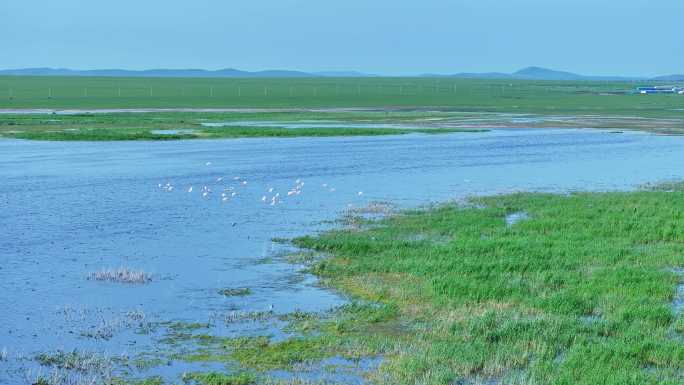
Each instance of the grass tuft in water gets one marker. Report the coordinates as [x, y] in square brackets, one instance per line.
[216, 378]
[235, 292]
[121, 275]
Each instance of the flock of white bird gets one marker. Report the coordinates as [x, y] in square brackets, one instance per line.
[271, 197]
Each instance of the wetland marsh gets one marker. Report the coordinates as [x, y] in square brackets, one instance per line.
[125, 210]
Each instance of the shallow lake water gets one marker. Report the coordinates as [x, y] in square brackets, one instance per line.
[69, 209]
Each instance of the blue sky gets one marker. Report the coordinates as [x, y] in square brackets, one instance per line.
[599, 37]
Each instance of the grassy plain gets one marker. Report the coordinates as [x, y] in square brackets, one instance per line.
[556, 97]
[425, 102]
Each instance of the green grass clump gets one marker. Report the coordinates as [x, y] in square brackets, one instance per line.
[115, 133]
[215, 378]
[579, 293]
[277, 132]
[85, 362]
[186, 326]
[264, 355]
[235, 292]
[95, 135]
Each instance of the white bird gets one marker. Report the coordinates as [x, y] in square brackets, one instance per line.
[263, 198]
[190, 189]
[324, 185]
[270, 190]
[170, 188]
[244, 182]
[208, 164]
[160, 185]
[219, 179]
[205, 194]
[289, 193]
[233, 194]
[225, 199]
[236, 178]
[360, 193]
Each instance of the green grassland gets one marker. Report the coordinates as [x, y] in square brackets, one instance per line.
[422, 103]
[581, 292]
[580, 97]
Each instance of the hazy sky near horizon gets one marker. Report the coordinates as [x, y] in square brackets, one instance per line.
[394, 37]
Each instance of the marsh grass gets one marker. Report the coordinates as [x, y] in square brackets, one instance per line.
[132, 134]
[374, 208]
[121, 275]
[62, 377]
[74, 368]
[106, 327]
[511, 303]
[216, 378]
[80, 361]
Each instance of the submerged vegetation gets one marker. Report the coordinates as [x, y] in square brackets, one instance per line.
[215, 378]
[121, 275]
[235, 292]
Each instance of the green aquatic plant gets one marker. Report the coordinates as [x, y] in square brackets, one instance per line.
[235, 292]
[216, 378]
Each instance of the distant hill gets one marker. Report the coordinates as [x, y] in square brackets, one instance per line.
[189, 73]
[343, 74]
[529, 73]
[474, 75]
[539, 73]
[195, 73]
[670, 78]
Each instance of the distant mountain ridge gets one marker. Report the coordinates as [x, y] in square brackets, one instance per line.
[670, 78]
[178, 73]
[529, 73]
[540, 73]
